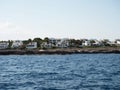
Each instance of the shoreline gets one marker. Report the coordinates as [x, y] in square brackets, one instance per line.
[62, 51]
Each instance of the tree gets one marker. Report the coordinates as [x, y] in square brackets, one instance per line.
[25, 42]
[10, 43]
[38, 40]
[106, 42]
[29, 40]
[46, 39]
[92, 41]
[72, 42]
[77, 43]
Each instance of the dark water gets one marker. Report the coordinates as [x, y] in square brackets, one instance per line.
[60, 72]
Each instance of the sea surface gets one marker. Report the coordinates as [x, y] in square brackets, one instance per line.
[60, 72]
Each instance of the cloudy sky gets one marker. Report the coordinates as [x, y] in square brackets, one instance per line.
[23, 19]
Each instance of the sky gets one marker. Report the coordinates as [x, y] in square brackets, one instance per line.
[91, 19]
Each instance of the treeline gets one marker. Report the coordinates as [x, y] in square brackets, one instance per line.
[77, 43]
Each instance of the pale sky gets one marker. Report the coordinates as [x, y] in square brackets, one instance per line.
[24, 19]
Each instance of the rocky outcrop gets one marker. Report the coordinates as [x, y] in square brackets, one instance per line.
[60, 51]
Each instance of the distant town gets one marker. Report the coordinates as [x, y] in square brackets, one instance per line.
[52, 43]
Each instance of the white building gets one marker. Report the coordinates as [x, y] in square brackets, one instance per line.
[53, 41]
[62, 43]
[31, 45]
[46, 45]
[4, 45]
[17, 44]
[86, 43]
[96, 42]
[118, 42]
[112, 43]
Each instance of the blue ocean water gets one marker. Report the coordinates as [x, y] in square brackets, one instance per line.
[60, 72]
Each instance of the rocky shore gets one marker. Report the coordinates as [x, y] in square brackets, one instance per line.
[61, 51]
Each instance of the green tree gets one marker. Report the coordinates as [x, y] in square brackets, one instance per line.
[29, 40]
[10, 43]
[46, 39]
[105, 42]
[38, 40]
[25, 42]
[72, 42]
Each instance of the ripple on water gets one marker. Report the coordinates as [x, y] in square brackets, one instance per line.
[60, 72]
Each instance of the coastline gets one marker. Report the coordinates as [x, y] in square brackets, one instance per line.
[62, 51]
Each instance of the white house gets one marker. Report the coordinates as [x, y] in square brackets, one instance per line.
[62, 43]
[31, 45]
[112, 43]
[16, 44]
[52, 40]
[118, 42]
[86, 43]
[96, 42]
[4, 45]
[46, 45]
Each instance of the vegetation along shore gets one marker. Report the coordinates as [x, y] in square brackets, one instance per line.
[58, 46]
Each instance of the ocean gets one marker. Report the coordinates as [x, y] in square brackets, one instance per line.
[60, 72]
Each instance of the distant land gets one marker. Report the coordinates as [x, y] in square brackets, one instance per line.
[58, 46]
[106, 50]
